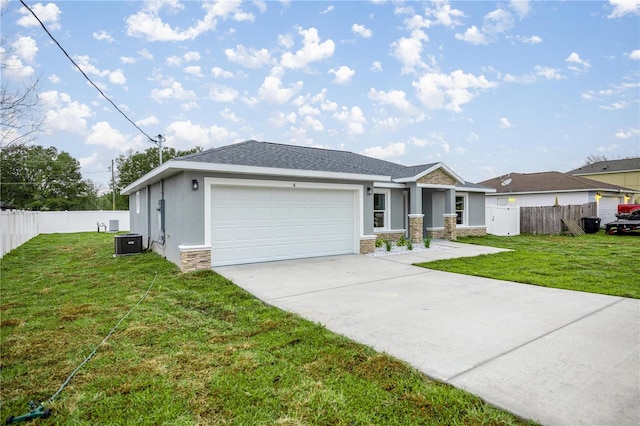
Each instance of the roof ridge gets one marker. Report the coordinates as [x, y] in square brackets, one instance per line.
[288, 147]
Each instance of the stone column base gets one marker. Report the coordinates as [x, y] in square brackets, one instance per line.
[416, 232]
[450, 226]
[367, 244]
[195, 258]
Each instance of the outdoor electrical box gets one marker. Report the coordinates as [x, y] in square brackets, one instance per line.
[128, 244]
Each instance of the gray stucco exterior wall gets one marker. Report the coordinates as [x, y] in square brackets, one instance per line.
[397, 209]
[476, 208]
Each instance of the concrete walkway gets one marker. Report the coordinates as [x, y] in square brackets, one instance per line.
[558, 357]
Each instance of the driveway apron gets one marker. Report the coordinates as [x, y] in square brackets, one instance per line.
[558, 357]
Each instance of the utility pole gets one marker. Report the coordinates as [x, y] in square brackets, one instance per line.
[159, 143]
[113, 187]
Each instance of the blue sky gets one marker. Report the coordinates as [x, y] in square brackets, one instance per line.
[487, 87]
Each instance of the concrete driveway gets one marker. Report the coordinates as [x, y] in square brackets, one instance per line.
[554, 356]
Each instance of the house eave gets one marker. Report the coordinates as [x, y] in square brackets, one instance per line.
[468, 189]
[172, 167]
[551, 191]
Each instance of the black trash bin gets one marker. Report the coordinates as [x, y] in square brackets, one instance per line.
[590, 225]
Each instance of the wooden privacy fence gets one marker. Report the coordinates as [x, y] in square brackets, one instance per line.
[548, 219]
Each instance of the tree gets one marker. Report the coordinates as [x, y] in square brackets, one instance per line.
[133, 166]
[593, 158]
[20, 114]
[39, 178]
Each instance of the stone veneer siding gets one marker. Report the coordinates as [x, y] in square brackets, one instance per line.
[437, 177]
[390, 236]
[416, 234]
[472, 232]
[450, 227]
[367, 245]
[195, 260]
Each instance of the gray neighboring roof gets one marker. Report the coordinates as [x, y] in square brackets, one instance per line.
[548, 181]
[609, 166]
[268, 154]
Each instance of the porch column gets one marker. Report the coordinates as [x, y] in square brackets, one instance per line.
[416, 227]
[450, 227]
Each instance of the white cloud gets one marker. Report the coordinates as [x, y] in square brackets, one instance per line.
[286, 40]
[102, 134]
[188, 106]
[396, 98]
[220, 93]
[623, 7]
[128, 60]
[611, 147]
[48, 14]
[327, 10]
[26, 48]
[450, 91]
[521, 7]
[148, 25]
[548, 73]
[497, 22]
[227, 114]
[352, 118]
[194, 70]
[186, 135]
[14, 69]
[64, 114]
[103, 36]
[504, 123]
[191, 56]
[531, 40]
[54, 79]
[635, 55]
[615, 106]
[248, 57]
[220, 73]
[273, 91]
[376, 66]
[280, 119]
[313, 123]
[148, 121]
[472, 35]
[117, 77]
[574, 58]
[362, 31]
[392, 150]
[343, 75]
[145, 54]
[408, 50]
[626, 134]
[441, 14]
[174, 91]
[312, 50]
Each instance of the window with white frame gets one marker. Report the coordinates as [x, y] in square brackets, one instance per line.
[137, 202]
[461, 209]
[381, 210]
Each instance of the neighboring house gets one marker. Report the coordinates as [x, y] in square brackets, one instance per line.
[259, 201]
[624, 172]
[551, 188]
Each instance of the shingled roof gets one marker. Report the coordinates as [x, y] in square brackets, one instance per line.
[609, 166]
[547, 182]
[267, 154]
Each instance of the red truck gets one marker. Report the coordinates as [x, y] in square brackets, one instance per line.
[628, 219]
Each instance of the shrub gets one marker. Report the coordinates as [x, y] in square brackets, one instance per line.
[427, 242]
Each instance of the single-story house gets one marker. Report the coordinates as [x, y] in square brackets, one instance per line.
[556, 188]
[260, 201]
[624, 172]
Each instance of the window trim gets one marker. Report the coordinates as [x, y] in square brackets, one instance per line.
[465, 209]
[387, 209]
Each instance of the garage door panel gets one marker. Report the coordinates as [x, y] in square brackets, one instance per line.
[255, 224]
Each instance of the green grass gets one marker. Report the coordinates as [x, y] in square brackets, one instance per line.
[596, 263]
[198, 350]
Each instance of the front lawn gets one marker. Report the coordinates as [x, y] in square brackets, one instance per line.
[596, 263]
[197, 350]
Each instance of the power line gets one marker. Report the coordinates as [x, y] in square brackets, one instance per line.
[83, 73]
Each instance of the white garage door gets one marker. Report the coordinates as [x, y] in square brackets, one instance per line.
[259, 224]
